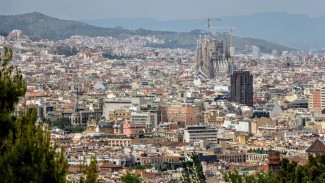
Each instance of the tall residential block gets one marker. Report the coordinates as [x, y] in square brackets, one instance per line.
[316, 101]
[241, 90]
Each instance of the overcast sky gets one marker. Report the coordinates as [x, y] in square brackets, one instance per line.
[159, 9]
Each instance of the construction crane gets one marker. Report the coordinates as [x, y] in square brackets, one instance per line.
[232, 37]
[209, 21]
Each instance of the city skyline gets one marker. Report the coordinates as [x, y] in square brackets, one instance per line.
[111, 104]
[168, 10]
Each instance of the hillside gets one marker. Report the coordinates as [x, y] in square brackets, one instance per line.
[294, 30]
[42, 26]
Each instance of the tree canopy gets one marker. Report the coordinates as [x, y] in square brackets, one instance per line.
[11, 88]
[130, 178]
[313, 171]
[192, 170]
[26, 154]
[92, 172]
[62, 123]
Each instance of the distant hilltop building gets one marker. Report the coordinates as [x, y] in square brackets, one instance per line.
[256, 53]
[214, 57]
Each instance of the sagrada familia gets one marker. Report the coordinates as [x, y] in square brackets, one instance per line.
[214, 57]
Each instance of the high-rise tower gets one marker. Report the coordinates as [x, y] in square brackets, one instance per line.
[241, 90]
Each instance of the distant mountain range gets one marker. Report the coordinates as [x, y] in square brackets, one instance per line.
[293, 30]
[42, 26]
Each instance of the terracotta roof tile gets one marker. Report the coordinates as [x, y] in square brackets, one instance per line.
[316, 147]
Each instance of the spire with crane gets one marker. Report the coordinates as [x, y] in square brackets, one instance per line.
[209, 19]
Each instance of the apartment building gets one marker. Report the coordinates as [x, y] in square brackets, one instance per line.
[196, 133]
[188, 114]
[317, 99]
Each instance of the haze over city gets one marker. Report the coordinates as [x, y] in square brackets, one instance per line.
[162, 10]
[168, 91]
[252, 18]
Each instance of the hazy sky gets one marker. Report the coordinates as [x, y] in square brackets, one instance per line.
[159, 9]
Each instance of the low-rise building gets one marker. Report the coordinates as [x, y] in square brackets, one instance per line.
[196, 133]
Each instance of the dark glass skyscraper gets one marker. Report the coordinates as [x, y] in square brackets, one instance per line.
[241, 90]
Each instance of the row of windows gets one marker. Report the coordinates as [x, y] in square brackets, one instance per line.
[201, 131]
[119, 114]
[232, 157]
[157, 160]
[204, 135]
[136, 127]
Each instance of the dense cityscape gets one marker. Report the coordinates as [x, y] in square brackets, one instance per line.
[162, 91]
[134, 106]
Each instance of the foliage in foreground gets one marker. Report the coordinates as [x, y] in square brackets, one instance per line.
[130, 178]
[192, 170]
[26, 154]
[260, 177]
[289, 172]
[92, 172]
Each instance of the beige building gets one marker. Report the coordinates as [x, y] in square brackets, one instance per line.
[119, 115]
[260, 122]
[187, 114]
[317, 99]
[214, 118]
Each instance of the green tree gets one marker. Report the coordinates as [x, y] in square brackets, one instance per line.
[289, 172]
[260, 177]
[48, 121]
[192, 170]
[130, 178]
[299, 174]
[250, 179]
[11, 88]
[266, 177]
[77, 129]
[26, 154]
[62, 123]
[233, 177]
[82, 179]
[92, 172]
